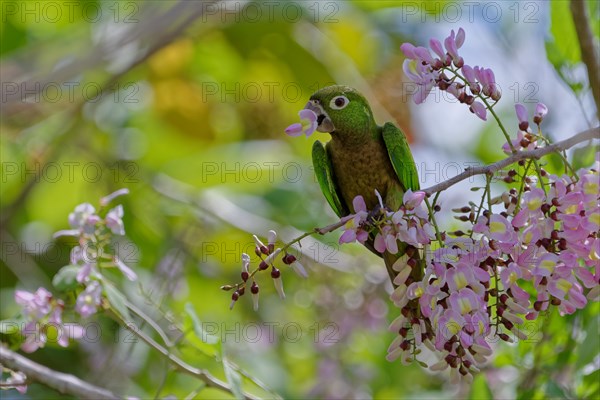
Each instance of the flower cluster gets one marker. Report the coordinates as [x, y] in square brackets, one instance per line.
[267, 255]
[474, 287]
[449, 72]
[41, 310]
[409, 224]
[525, 139]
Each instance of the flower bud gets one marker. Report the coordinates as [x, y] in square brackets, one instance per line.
[272, 238]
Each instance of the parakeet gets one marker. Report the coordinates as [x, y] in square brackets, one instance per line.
[361, 157]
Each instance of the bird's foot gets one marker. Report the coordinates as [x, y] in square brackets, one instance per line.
[376, 214]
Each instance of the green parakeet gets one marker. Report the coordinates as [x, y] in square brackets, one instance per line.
[361, 157]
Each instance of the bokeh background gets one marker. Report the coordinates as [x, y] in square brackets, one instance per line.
[184, 103]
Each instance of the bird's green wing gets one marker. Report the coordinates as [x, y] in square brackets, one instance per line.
[400, 156]
[324, 173]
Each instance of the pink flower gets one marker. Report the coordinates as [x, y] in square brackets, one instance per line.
[353, 228]
[466, 300]
[423, 76]
[35, 305]
[453, 43]
[540, 112]
[479, 109]
[522, 116]
[114, 220]
[307, 125]
[84, 218]
[412, 199]
[89, 300]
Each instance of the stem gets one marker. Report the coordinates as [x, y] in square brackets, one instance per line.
[504, 132]
[178, 363]
[522, 186]
[438, 235]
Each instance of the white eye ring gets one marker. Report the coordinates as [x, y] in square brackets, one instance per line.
[339, 102]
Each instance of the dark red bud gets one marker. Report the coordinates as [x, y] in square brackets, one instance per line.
[555, 302]
[504, 337]
[264, 250]
[245, 276]
[288, 259]
[254, 288]
[411, 262]
[537, 306]
[562, 244]
[241, 291]
[509, 325]
[451, 360]
[263, 265]
[405, 345]
[235, 296]
[275, 273]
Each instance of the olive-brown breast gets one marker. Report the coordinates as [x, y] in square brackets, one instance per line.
[361, 168]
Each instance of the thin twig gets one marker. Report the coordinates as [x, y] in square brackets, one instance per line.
[181, 365]
[589, 134]
[61, 382]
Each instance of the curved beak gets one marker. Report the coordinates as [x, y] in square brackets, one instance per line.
[324, 123]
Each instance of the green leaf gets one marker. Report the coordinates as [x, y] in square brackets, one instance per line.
[117, 300]
[564, 37]
[66, 278]
[198, 330]
[234, 379]
[480, 389]
[584, 156]
[562, 48]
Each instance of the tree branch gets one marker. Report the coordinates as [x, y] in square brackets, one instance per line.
[61, 382]
[181, 365]
[589, 134]
[589, 53]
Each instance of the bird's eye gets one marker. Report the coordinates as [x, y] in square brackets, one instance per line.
[339, 102]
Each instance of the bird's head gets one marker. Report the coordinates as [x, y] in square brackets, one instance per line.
[341, 109]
